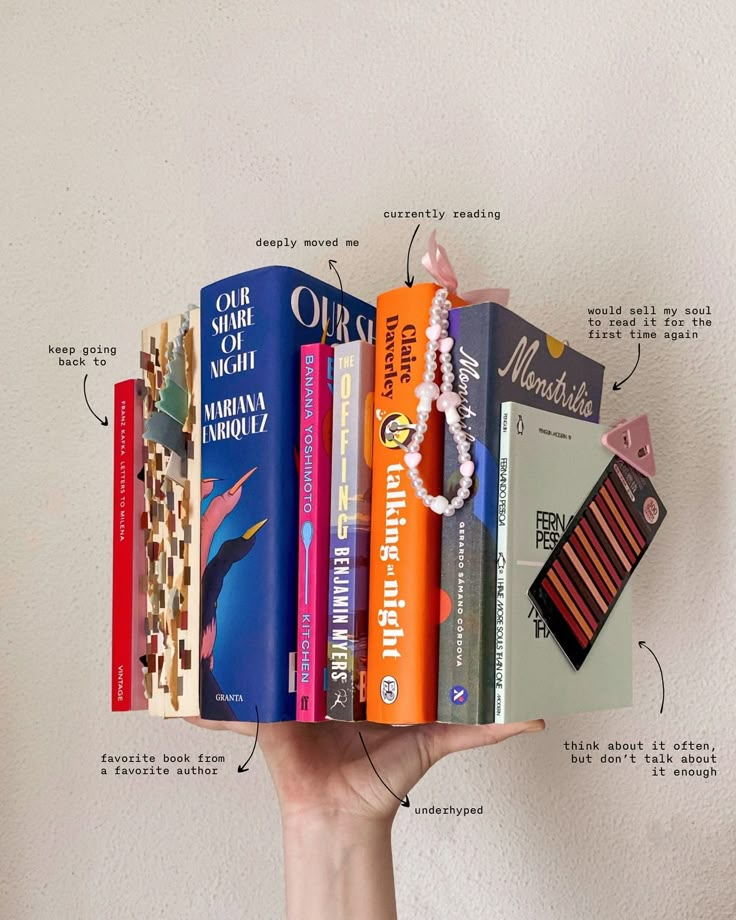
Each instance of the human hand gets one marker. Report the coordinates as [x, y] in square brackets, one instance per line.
[336, 813]
[321, 768]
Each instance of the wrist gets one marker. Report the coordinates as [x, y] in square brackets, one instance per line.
[317, 820]
[337, 864]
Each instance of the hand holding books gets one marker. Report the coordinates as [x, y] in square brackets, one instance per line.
[322, 767]
[335, 812]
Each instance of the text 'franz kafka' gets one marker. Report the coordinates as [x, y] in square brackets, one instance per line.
[245, 412]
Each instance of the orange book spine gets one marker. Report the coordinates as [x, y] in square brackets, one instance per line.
[405, 535]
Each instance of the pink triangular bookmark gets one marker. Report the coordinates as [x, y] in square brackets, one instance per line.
[633, 443]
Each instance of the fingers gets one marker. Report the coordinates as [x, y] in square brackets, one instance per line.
[447, 739]
[205, 723]
[240, 728]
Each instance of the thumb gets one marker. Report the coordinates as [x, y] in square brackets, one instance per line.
[445, 739]
[241, 728]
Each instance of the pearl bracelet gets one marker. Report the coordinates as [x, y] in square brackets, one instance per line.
[448, 402]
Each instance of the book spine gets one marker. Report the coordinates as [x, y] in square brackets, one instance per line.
[504, 565]
[138, 698]
[123, 542]
[172, 472]
[467, 597]
[492, 438]
[352, 449]
[405, 534]
[190, 624]
[315, 443]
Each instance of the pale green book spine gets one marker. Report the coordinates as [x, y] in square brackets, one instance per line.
[547, 466]
[503, 570]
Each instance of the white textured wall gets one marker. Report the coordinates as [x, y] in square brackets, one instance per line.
[144, 149]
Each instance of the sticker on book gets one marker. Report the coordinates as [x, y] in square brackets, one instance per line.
[394, 429]
[389, 689]
[458, 695]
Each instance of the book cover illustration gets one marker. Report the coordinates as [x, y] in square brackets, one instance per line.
[253, 325]
[352, 451]
[171, 436]
[405, 534]
[315, 462]
[497, 356]
[548, 464]
[128, 561]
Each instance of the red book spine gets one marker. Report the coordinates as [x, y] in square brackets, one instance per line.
[127, 613]
[315, 470]
[139, 570]
[122, 542]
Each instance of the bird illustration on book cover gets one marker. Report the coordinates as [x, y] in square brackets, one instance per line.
[214, 571]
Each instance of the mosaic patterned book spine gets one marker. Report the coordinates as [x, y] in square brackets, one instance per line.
[172, 450]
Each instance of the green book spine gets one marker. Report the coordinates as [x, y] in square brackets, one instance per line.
[547, 466]
[503, 586]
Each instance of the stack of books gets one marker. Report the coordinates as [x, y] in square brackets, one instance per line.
[271, 560]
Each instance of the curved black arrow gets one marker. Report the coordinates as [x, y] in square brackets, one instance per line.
[332, 263]
[617, 386]
[405, 800]
[409, 281]
[84, 390]
[243, 768]
[644, 645]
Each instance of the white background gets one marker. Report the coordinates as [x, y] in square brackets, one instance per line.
[144, 149]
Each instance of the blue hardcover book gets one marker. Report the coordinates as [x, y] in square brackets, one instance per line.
[253, 325]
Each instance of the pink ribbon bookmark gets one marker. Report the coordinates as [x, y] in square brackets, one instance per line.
[438, 264]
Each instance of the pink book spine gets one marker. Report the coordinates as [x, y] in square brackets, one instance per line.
[315, 461]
